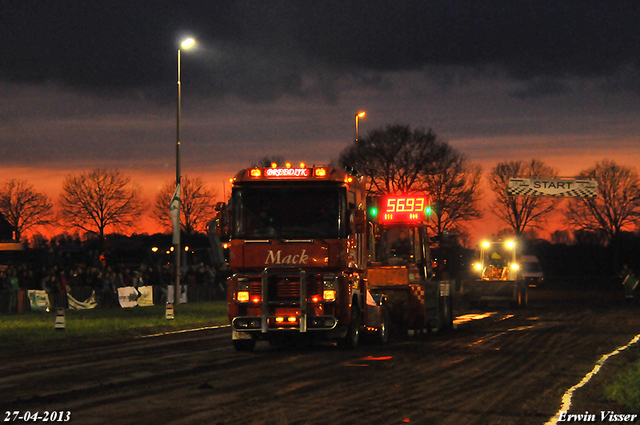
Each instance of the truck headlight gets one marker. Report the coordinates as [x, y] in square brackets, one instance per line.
[242, 285]
[329, 295]
[329, 288]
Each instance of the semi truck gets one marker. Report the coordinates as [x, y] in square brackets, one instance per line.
[298, 254]
[419, 298]
[498, 276]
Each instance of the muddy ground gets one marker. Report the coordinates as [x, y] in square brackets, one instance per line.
[510, 367]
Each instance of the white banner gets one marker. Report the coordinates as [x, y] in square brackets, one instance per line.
[174, 210]
[129, 297]
[82, 305]
[183, 294]
[146, 296]
[38, 300]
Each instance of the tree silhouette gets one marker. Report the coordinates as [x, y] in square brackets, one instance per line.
[519, 212]
[23, 207]
[196, 206]
[395, 158]
[92, 201]
[617, 206]
[455, 192]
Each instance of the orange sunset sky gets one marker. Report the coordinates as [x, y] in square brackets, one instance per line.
[554, 80]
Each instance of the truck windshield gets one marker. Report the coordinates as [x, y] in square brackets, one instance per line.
[396, 243]
[288, 212]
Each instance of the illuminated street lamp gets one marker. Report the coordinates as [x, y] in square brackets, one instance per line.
[359, 115]
[189, 42]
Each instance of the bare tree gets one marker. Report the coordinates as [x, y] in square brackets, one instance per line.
[92, 201]
[196, 207]
[23, 207]
[617, 206]
[454, 189]
[519, 212]
[395, 158]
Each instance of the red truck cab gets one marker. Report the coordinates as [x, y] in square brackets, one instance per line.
[298, 254]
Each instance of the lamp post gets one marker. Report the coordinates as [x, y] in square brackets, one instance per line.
[359, 115]
[189, 42]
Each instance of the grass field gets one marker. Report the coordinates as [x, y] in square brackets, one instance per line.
[624, 388]
[36, 330]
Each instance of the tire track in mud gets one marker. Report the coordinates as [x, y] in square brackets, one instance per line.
[509, 368]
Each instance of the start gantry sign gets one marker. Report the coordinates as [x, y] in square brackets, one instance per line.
[552, 187]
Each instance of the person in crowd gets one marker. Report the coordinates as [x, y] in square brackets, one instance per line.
[13, 286]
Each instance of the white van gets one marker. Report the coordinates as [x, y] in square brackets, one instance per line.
[530, 271]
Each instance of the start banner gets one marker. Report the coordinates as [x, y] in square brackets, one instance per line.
[552, 187]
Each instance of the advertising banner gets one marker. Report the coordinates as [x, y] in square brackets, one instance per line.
[183, 294]
[128, 296]
[82, 305]
[39, 300]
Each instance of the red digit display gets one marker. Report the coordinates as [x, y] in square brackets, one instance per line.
[403, 208]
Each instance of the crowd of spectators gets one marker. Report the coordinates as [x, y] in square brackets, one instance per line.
[62, 274]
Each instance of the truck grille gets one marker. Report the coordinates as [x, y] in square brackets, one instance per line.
[286, 289]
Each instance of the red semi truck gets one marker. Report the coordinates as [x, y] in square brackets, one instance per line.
[298, 252]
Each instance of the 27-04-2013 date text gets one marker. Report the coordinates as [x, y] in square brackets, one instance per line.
[46, 416]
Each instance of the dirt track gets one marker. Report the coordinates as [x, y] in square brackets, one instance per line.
[511, 367]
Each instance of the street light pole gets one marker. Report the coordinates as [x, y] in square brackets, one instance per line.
[176, 223]
[359, 115]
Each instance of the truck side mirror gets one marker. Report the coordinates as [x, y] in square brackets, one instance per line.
[222, 222]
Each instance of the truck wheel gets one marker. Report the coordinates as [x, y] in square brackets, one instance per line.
[352, 339]
[385, 321]
[244, 344]
[517, 299]
[445, 319]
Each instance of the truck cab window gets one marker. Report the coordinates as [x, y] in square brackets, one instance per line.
[288, 212]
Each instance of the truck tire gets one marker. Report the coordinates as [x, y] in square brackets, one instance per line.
[385, 322]
[244, 344]
[445, 314]
[517, 299]
[352, 338]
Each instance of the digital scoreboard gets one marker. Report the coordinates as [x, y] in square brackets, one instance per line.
[403, 208]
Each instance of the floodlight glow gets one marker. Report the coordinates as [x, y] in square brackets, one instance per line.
[187, 43]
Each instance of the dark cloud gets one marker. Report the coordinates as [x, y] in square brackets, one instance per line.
[542, 86]
[259, 50]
